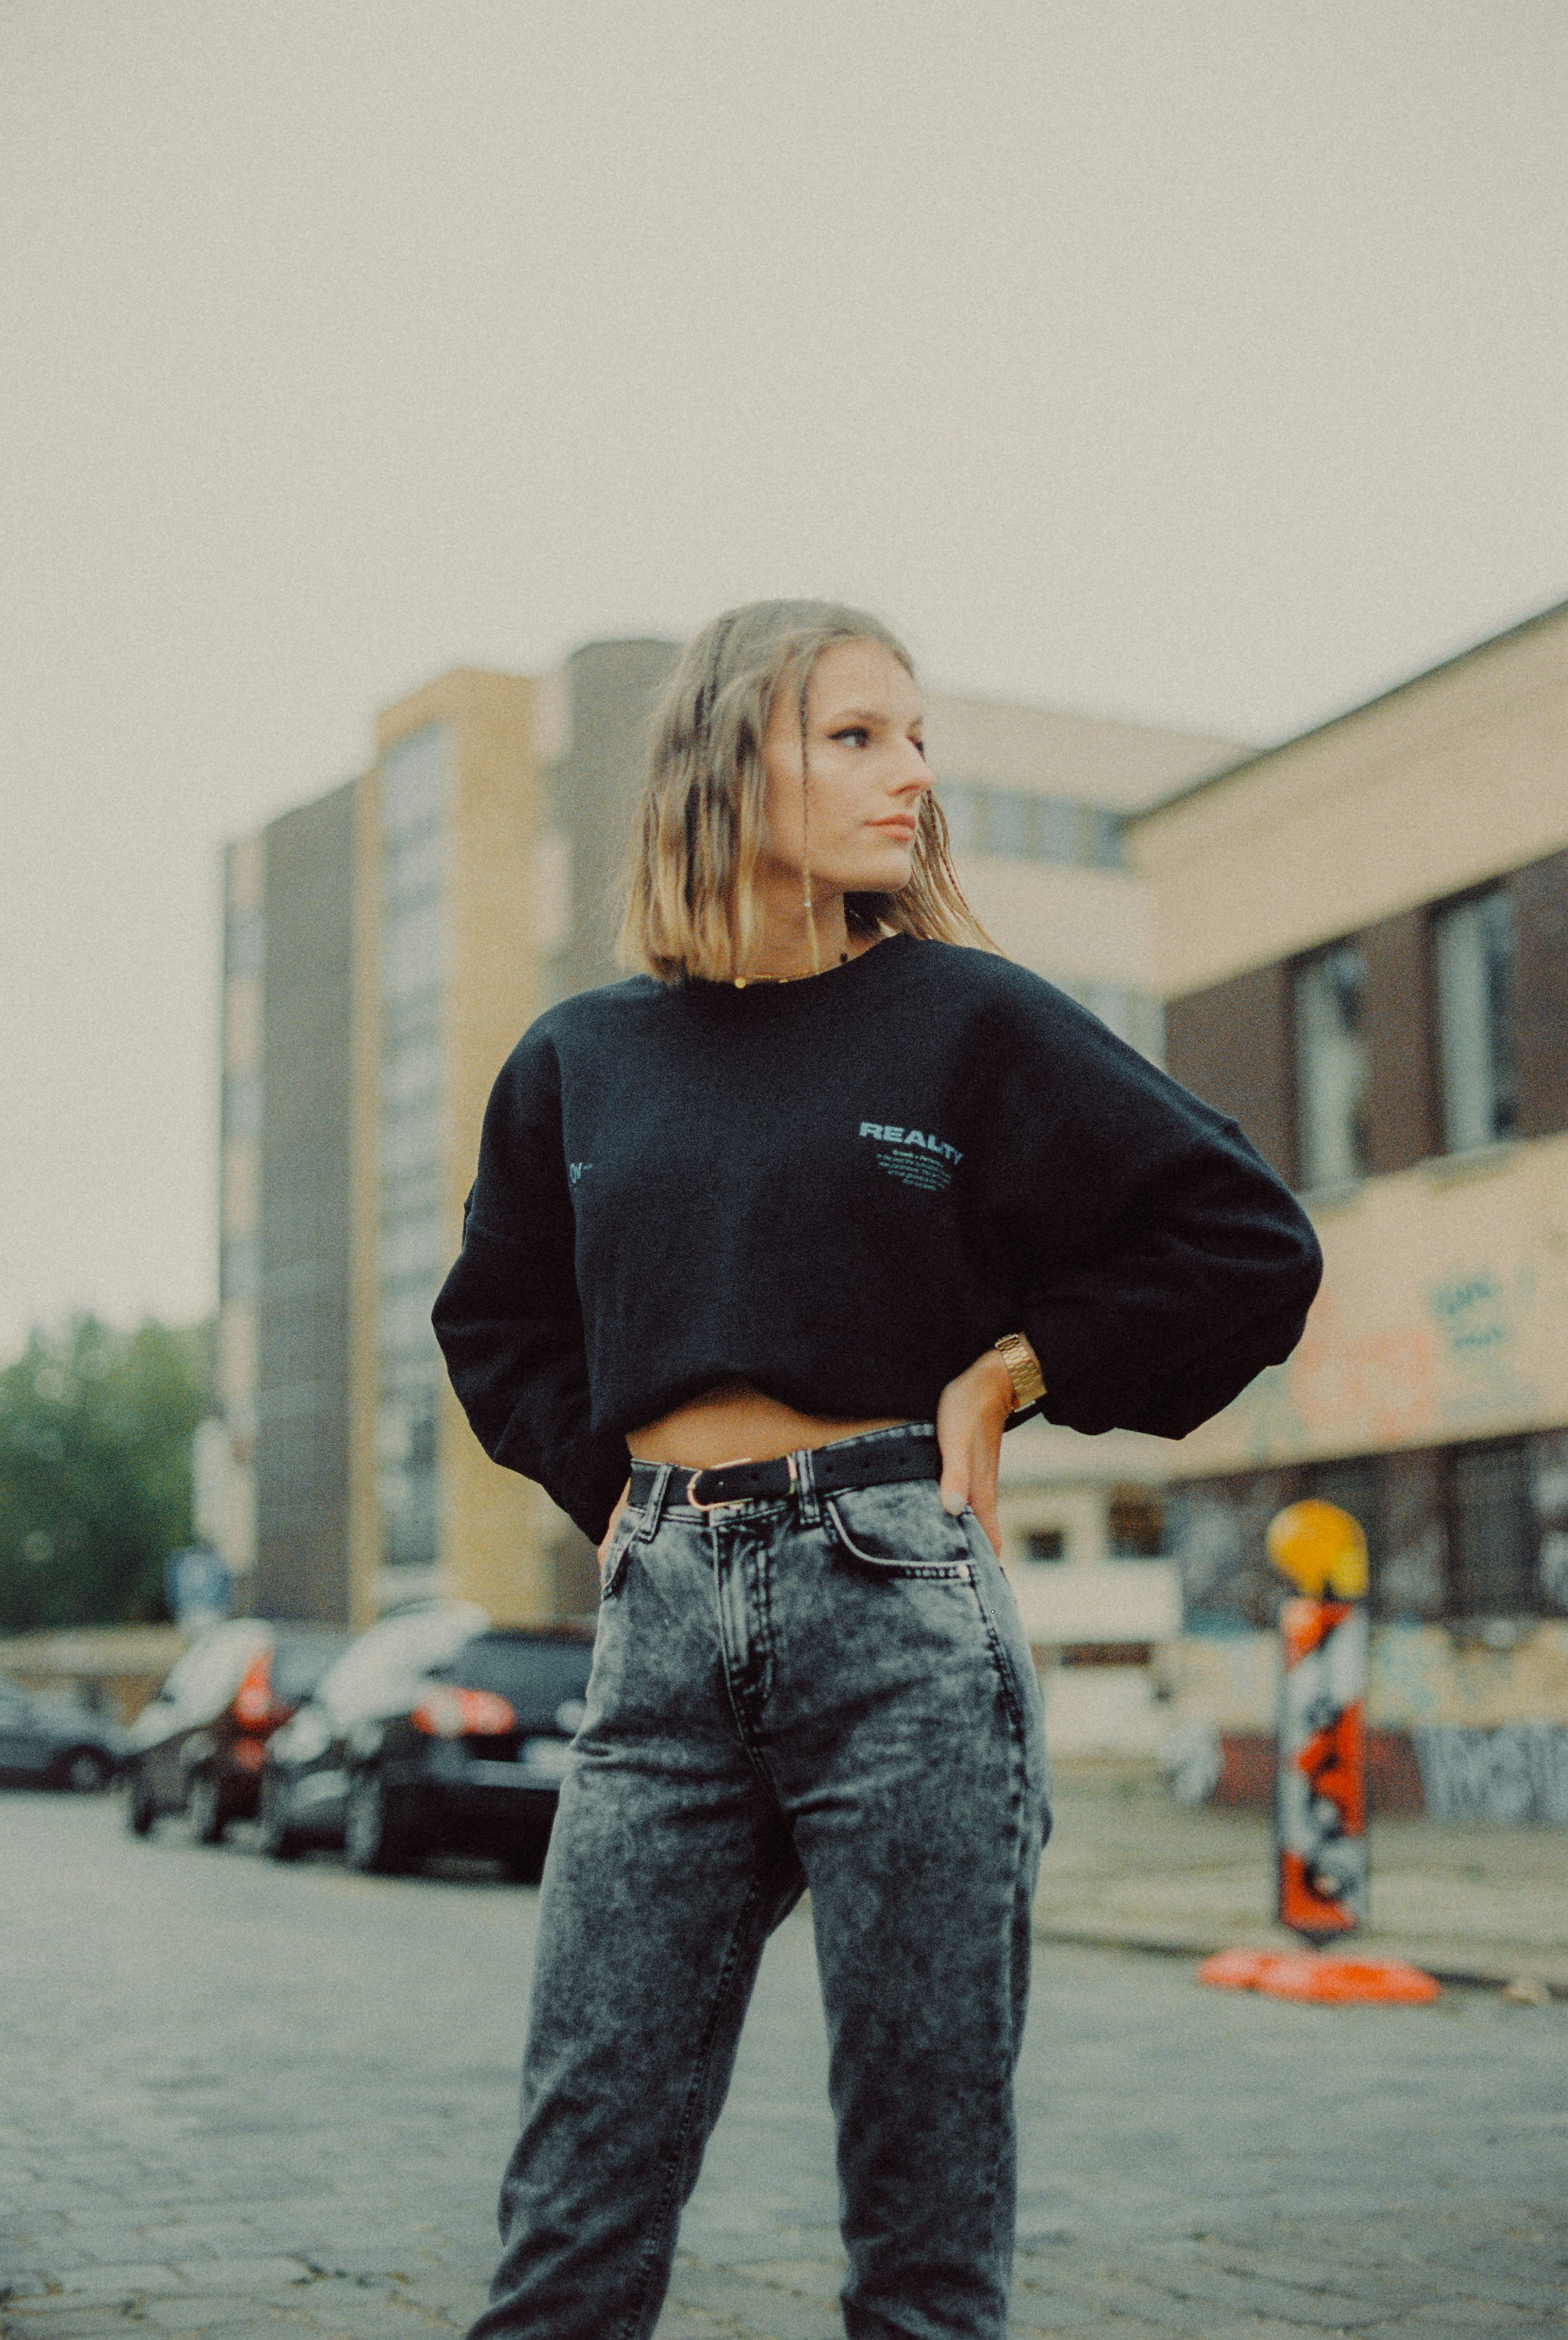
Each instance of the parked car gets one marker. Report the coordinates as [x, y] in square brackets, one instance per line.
[54, 1743]
[304, 1789]
[456, 1751]
[199, 1746]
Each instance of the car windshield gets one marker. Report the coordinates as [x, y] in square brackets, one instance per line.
[299, 1661]
[536, 1676]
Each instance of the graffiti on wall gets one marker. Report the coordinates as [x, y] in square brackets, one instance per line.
[1517, 1772]
[1460, 1361]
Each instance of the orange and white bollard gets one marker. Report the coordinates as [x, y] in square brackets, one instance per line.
[1320, 1842]
[1320, 1784]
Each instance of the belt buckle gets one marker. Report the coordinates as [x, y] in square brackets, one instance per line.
[695, 1501]
[721, 1502]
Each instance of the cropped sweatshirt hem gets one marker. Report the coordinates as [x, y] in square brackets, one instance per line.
[841, 1191]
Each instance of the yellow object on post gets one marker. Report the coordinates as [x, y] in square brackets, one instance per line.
[1321, 1549]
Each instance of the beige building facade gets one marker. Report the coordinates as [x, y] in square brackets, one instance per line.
[1362, 940]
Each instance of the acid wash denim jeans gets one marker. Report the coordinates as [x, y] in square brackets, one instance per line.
[832, 1692]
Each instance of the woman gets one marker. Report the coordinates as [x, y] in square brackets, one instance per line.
[801, 1218]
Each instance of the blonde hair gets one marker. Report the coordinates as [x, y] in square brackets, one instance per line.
[690, 907]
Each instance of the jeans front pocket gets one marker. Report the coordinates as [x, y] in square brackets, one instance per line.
[899, 1531]
[612, 1575]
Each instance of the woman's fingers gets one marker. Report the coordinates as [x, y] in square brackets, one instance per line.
[955, 1437]
[985, 1511]
[609, 1536]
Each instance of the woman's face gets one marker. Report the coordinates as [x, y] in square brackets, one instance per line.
[868, 773]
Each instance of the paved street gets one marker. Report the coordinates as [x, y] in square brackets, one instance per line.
[1130, 1866]
[246, 2100]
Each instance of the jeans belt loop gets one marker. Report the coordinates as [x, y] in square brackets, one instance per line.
[653, 1509]
[808, 1502]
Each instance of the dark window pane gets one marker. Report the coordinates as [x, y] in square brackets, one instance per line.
[1047, 1543]
[1331, 1066]
[1549, 1501]
[1009, 825]
[1494, 1530]
[962, 807]
[1134, 1524]
[1410, 1569]
[1100, 832]
[1475, 961]
[1056, 829]
[1352, 1486]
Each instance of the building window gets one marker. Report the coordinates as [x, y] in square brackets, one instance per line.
[1494, 1529]
[1016, 825]
[1009, 825]
[1134, 1524]
[1046, 1544]
[1100, 832]
[1331, 1066]
[414, 1238]
[962, 810]
[1474, 952]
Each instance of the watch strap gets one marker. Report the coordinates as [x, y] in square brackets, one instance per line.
[1023, 1370]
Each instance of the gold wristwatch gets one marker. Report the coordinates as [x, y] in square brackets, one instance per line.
[1023, 1370]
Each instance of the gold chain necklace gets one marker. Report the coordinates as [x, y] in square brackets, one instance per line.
[743, 982]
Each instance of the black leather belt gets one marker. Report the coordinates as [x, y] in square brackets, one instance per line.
[873, 1460]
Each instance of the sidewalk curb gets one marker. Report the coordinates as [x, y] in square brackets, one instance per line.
[1494, 1977]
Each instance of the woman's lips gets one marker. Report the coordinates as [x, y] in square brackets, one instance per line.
[897, 826]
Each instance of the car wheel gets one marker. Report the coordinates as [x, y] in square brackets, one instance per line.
[277, 1837]
[85, 1771]
[373, 1843]
[141, 1812]
[204, 1810]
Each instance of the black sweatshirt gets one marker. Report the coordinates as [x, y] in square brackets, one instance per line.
[841, 1191]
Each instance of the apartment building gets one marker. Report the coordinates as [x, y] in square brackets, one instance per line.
[1362, 938]
[384, 947]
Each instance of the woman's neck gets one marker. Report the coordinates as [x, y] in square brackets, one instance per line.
[781, 949]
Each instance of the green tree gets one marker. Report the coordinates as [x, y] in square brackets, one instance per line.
[95, 1433]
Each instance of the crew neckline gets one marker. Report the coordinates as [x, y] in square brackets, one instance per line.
[838, 978]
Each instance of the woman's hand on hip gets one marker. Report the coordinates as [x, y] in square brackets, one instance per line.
[971, 1416]
[609, 1535]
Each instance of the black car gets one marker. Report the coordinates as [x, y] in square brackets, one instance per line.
[54, 1743]
[304, 1788]
[468, 1757]
[198, 1747]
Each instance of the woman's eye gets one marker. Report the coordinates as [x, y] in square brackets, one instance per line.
[854, 732]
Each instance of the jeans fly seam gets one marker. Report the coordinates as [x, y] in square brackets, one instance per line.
[735, 1696]
[764, 1611]
[669, 2197]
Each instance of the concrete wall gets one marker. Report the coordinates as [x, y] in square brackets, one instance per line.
[302, 1564]
[608, 693]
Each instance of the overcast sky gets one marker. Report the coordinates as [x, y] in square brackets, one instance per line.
[1200, 361]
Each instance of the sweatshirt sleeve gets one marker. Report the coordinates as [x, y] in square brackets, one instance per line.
[1160, 1263]
[508, 1318]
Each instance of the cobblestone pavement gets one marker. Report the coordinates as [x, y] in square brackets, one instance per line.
[244, 2100]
